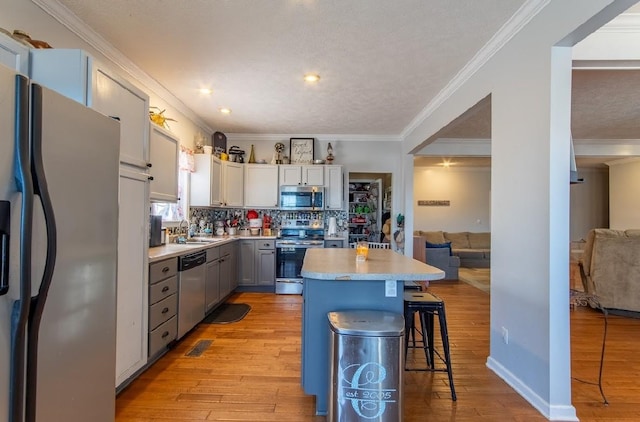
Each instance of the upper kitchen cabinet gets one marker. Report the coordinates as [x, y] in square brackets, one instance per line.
[334, 187]
[301, 175]
[233, 184]
[216, 183]
[163, 149]
[206, 181]
[77, 75]
[261, 185]
[14, 54]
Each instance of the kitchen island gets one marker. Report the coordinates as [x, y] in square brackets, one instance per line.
[334, 281]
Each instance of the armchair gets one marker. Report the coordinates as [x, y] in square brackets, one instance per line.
[610, 268]
[437, 257]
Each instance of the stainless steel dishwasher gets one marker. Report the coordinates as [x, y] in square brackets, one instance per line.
[191, 294]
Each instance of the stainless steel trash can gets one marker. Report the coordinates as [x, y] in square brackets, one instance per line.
[366, 366]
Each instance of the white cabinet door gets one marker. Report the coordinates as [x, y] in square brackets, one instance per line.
[13, 54]
[301, 175]
[163, 149]
[132, 288]
[206, 181]
[116, 98]
[76, 75]
[334, 187]
[290, 175]
[233, 183]
[260, 185]
[312, 175]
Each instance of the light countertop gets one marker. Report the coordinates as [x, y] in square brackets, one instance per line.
[382, 264]
[171, 250]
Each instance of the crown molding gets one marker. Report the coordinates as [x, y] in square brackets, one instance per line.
[69, 20]
[240, 137]
[523, 16]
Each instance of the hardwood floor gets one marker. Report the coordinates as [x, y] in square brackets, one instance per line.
[251, 371]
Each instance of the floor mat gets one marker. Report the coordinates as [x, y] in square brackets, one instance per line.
[228, 313]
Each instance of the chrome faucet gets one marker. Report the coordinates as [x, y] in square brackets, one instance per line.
[181, 238]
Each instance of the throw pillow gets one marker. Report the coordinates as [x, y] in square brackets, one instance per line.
[440, 245]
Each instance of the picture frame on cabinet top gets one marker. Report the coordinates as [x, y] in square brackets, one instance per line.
[301, 150]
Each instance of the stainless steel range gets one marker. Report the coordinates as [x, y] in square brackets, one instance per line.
[297, 235]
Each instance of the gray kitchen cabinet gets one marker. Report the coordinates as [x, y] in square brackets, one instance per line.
[246, 267]
[233, 263]
[163, 305]
[227, 269]
[212, 289]
[265, 262]
[257, 265]
[163, 154]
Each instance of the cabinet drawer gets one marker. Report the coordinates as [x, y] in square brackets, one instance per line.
[163, 289]
[162, 336]
[213, 254]
[227, 248]
[163, 269]
[266, 244]
[162, 311]
[333, 243]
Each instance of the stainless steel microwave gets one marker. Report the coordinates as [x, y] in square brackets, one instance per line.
[304, 198]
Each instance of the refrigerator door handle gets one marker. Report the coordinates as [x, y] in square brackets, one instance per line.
[5, 228]
[38, 301]
[20, 312]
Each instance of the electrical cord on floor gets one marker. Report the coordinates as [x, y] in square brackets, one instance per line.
[604, 341]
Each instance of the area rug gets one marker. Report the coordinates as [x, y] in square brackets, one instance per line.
[227, 313]
[479, 278]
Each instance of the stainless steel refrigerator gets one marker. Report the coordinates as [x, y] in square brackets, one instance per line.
[58, 234]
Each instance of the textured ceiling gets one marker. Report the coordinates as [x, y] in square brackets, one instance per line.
[380, 62]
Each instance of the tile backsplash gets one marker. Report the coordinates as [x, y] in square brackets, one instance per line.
[211, 215]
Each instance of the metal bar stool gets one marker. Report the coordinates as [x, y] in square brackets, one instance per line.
[428, 305]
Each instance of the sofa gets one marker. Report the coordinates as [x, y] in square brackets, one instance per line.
[610, 268]
[473, 249]
[439, 257]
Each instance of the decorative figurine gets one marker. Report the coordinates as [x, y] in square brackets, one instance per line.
[279, 150]
[330, 156]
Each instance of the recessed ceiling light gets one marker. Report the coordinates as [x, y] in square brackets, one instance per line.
[311, 77]
[206, 91]
[224, 110]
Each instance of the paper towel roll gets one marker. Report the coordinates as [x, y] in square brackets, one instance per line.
[333, 226]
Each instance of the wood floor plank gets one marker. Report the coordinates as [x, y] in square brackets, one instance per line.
[251, 371]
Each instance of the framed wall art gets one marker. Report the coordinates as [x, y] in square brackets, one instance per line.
[301, 150]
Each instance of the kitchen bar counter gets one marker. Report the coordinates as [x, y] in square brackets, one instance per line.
[171, 250]
[383, 264]
[334, 281]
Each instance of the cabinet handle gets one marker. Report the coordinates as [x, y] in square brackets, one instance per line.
[165, 310]
[222, 260]
[149, 165]
[166, 333]
[150, 178]
[165, 269]
[165, 289]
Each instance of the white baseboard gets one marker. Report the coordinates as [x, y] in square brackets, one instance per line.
[553, 413]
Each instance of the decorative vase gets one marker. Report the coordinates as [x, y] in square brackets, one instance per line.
[252, 157]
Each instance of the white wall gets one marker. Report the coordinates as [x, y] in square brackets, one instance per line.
[589, 202]
[529, 82]
[467, 189]
[25, 15]
[624, 194]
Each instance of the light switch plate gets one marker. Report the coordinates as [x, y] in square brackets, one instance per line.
[390, 289]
